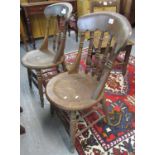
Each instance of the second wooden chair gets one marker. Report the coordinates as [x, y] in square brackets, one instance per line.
[43, 58]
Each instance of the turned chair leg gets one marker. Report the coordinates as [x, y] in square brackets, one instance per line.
[73, 128]
[126, 59]
[64, 66]
[22, 129]
[103, 102]
[40, 87]
[76, 33]
[105, 109]
[29, 77]
[69, 32]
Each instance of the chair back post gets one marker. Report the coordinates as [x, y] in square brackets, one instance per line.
[118, 29]
[61, 44]
[44, 45]
[62, 10]
[75, 67]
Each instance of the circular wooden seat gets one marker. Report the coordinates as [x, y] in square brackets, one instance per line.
[71, 91]
[37, 59]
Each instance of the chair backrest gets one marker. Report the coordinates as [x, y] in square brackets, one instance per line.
[62, 13]
[104, 3]
[59, 9]
[118, 29]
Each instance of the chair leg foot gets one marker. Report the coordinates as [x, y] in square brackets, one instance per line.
[105, 109]
[22, 130]
[64, 67]
[126, 59]
[76, 36]
[103, 103]
[21, 109]
[73, 128]
[124, 72]
[42, 102]
[69, 32]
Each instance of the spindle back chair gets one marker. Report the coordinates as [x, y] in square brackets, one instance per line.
[44, 58]
[77, 91]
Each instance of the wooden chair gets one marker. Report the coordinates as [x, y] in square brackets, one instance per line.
[116, 4]
[43, 58]
[75, 91]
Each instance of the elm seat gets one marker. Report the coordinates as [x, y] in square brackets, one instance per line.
[37, 59]
[71, 91]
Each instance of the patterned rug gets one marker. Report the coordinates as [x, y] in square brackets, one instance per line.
[103, 139]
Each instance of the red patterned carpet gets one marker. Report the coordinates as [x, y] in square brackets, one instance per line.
[103, 139]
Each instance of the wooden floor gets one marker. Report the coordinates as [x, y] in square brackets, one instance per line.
[45, 135]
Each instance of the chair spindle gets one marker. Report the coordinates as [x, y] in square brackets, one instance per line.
[89, 57]
[75, 67]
